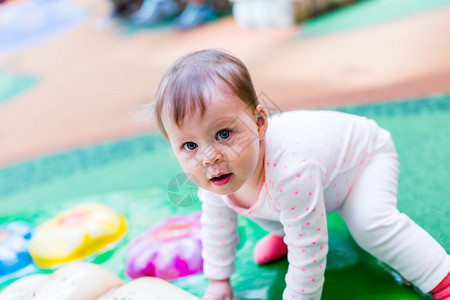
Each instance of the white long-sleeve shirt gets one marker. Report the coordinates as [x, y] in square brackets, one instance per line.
[311, 160]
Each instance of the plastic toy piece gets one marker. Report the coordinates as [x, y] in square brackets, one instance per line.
[22, 288]
[75, 281]
[88, 281]
[149, 288]
[14, 243]
[75, 234]
[169, 250]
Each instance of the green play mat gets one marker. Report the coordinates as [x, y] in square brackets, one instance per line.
[366, 13]
[132, 175]
[12, 85]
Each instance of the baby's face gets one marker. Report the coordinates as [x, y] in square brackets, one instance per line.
[220, 150]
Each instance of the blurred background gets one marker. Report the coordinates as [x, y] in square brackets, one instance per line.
[74, 74]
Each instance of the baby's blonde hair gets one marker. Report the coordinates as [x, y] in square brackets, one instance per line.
[193, 79]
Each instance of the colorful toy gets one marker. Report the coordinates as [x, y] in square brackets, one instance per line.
[14, 243]
[169, 250]
[75, 234]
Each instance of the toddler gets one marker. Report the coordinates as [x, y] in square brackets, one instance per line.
[286, 175]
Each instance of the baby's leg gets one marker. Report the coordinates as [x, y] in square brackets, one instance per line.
[272, 246]
[371, 214]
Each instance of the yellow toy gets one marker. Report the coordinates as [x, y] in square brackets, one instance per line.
[75, 234]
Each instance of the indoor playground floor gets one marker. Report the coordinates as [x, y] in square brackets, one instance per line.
[72, 80]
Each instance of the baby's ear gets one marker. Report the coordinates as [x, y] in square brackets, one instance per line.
[261, 121]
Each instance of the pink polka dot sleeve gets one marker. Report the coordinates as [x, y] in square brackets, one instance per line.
[303, 216]
[219, 236]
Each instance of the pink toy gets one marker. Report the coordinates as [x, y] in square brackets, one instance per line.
[168, 250]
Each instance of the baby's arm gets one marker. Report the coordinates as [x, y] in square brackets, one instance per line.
[219, 239]
[302, 213]
[218, 290]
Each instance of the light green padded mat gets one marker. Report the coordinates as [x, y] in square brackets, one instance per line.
[132, 175]
[365, 13]
[12, 85]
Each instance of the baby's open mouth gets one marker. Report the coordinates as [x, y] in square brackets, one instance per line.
[222, 179]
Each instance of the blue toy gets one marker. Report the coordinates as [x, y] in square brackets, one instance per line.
[14, 241]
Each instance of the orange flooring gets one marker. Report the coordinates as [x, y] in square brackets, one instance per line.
[92, 79]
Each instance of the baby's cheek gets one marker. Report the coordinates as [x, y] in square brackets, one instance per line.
[186, 164]
[247, 156]
[194, 179]
[196, 172]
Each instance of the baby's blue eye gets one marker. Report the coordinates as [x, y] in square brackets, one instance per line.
[223, 134]
[190, 146]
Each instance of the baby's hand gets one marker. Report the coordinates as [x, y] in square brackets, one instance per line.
[218, 290]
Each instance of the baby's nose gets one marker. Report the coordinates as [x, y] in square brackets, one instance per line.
[212, 156]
